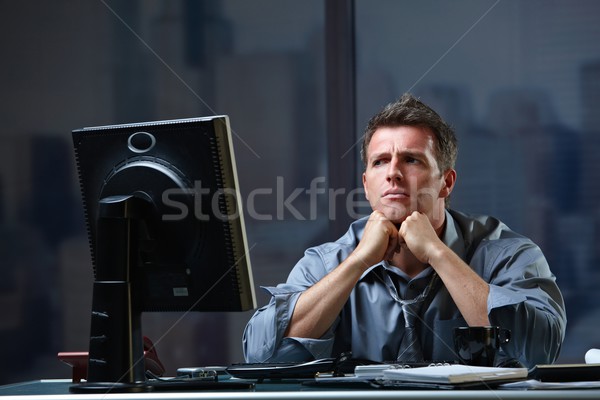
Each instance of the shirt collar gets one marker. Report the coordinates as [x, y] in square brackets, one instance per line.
[453, 237]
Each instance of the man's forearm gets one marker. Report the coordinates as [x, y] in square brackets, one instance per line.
[318, 307]
[467, 289]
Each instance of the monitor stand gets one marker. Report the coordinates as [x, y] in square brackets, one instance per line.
[116, 352]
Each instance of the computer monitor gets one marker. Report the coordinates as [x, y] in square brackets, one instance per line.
[166, 231]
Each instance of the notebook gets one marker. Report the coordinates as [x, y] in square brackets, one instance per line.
[454, 374]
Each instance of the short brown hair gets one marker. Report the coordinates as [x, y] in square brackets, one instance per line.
[410, 111]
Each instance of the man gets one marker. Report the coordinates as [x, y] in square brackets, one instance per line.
[398, 282]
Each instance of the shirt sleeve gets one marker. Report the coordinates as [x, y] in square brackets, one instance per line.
[263, 338]
[524, 298]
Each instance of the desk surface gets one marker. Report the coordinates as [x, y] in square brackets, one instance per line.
[59, 389]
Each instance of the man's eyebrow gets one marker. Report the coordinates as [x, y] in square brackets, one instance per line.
[403, 153]
[378, 155]
[413, 153]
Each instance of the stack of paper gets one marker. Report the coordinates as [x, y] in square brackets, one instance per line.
[454, 374]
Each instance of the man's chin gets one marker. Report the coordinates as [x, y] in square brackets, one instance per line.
[395, 215]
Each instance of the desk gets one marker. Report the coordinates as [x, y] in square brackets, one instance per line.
[59, 389]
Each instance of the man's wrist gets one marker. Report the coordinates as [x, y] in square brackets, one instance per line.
[440, 255]
[358, 261]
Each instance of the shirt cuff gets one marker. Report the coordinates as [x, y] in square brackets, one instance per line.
[501, 297]
[302, 349]
[293, 348]
[285, 301]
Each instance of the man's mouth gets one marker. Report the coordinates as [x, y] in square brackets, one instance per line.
[395, 194]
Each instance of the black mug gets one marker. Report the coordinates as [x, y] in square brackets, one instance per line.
[478, 345]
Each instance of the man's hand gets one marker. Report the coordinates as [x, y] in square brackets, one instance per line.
[379, 242]
[467, 289]
[419, 237]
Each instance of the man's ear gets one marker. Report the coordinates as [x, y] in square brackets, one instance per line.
[364, 181]
[449, 181]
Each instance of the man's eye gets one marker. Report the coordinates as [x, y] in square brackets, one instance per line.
[378, 162]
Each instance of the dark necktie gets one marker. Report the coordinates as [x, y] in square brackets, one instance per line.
[410, 347]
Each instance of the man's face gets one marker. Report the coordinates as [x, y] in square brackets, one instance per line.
[402, 174]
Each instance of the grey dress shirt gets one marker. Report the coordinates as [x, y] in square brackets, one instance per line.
[523, 297]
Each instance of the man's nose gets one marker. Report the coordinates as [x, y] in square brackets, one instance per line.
[394, 172]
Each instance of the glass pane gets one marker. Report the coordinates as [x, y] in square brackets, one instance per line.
[75, 64]
[519, 82]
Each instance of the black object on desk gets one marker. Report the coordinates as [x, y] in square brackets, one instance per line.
[338, 366]
[176, 385]
[565, 372]
[281, 370]
[152, 234]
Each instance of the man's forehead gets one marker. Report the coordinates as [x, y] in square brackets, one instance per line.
[415, 139]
